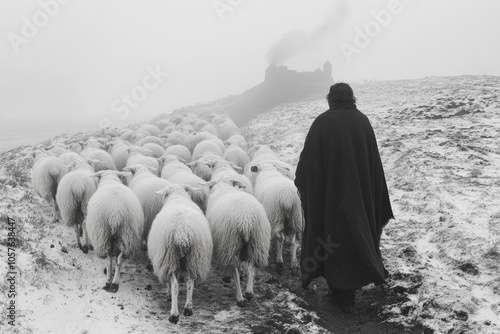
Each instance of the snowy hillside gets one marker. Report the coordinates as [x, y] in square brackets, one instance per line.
[439, 140]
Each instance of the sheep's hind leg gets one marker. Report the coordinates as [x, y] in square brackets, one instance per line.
[107, 287]
[116, 278]
[53, 203]
[188, 308]
[78, 242]
[279, 249]
[174, 310]
[85, 248]
[295, 261]
[239, 296]
[251, 273]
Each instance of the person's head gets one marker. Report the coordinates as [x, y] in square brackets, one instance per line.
[340, 93]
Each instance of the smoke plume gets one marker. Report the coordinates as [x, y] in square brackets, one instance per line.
[295, 42]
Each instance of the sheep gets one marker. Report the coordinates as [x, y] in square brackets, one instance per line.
[105, 160]
[144, 184]
[139, 159]
[195, 138]
[240, 230]
[76, 147]
[280, 198]
[168, 129]
[223, 169]
[150, 129]
[210, 128]
[171, 164]
[210, 145]
[228, 129]
[57, 151]
[163, 123]
[238, 140]
[180, 244]
[157, 150]
[200, 124]
[186, 177]
[69, 157]
[115, 222]
[200, 168]
[264, 153]
[236, 155]
[73, 194]
[149, 139]
[46, 174]
[179, 150]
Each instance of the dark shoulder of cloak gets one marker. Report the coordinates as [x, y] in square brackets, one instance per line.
[345, 200]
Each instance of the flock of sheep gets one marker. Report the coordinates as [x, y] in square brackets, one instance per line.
[184, 186]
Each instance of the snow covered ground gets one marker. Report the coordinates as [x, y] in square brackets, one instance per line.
[439, 140]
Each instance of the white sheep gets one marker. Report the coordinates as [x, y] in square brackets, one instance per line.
[150, 129]
[163, 123]
[238, 140]
[179, 175]
[236, 155]
[228, 129]
[197, 137]
[240, 231]
[115, 222]
[180, 244]
[223, 169]
[213, 145]
[46, 174]
[106, 162]
[280, 198]
[144, 184]
[138, 159]
[149, 139]
[73, 194]
[69, 157]
[200, 167]
[264, 153]
[171, 164]
[179, 150]
[157, 150]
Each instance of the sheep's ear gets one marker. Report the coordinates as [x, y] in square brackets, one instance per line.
[210, 164]
[162, 192]
[131, 170]
[152, 169]
[238, 184]
[208, 184]
[192, 163]
[235, 167]
[91, 161]
[273, 147]
[192, 189]
[97, 175]
[254, 169]
[123, 174]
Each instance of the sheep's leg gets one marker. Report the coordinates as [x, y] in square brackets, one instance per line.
[295, 261]
[251, 273]
[239, 296]
[78, 242]
[169, 297]
[174, 310]
[226, 276]
[53, 203]
[85, 248]
[116, 278]
[188, 308]
[279, 249]
[108, 272]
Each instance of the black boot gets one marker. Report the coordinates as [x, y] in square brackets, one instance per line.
[334, 295]
[347, 298]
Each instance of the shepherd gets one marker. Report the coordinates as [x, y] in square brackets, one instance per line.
[345, 200]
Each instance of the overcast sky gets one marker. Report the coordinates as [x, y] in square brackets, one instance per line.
[89, 53]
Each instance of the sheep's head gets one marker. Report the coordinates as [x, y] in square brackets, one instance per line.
[108, 175]
[180, 189]
[140, 168]
[223, 182]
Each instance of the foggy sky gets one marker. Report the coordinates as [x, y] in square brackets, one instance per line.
[93, 51]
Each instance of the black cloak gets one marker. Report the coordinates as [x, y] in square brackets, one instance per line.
[344, 196]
